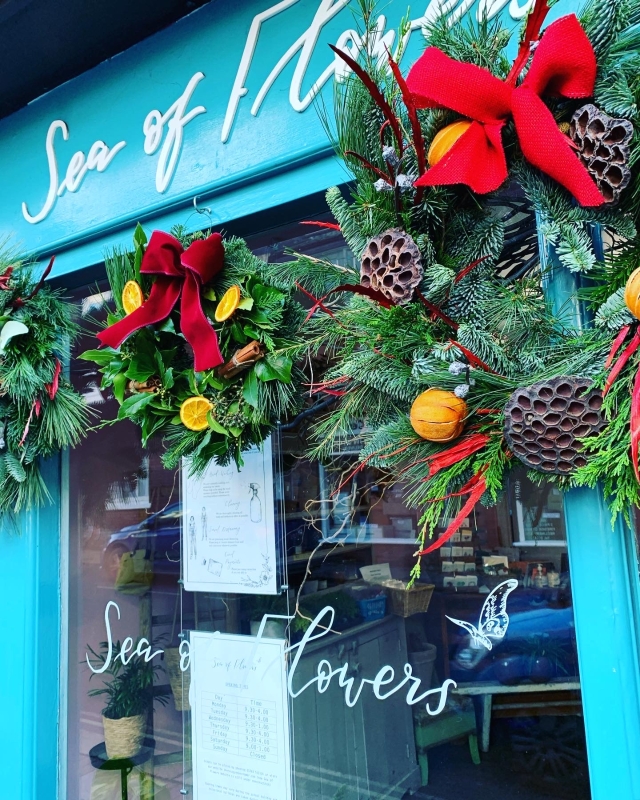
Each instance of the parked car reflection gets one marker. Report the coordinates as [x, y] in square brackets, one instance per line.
[159, 534]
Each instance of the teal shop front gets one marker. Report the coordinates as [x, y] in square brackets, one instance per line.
[214, 123]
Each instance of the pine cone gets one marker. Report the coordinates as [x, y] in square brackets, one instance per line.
[391, 264]
[603, 143]
[544, 421]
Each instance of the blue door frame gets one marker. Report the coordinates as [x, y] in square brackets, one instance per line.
[603, 559]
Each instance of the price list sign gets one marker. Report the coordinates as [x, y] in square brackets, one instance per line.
[240, 718]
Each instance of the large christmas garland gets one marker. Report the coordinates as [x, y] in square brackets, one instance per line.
[40, 412]
[441, 338]
[198, 347]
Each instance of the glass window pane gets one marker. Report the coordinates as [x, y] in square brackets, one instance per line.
[491, 620]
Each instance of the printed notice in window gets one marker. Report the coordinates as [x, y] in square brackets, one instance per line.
[228, 527]
[240, 718]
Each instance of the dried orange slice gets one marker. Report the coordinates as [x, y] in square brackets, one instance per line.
[229, 303]
[193, 413]
[132, 296]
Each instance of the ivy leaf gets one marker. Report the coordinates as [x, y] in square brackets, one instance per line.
[141, 367]
[246, 304]
[252, 333]
[134, 405]
[210, 294]
[235, 431]
[250, 388]
[101, 357]
[274, 367]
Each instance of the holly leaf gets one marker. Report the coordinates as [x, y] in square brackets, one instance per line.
[135, 404]
[250, 388]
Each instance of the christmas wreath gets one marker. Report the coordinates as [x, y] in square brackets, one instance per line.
[197, 350]
[40, 412]
[441, 337]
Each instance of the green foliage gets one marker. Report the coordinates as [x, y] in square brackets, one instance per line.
[613, 313]
[131, 690]
[379, 360]
[152, 375]
[35, 422]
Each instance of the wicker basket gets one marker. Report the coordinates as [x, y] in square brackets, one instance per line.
[406, 602]
[180, 681]
[123, 737]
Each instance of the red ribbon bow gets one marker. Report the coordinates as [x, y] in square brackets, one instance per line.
[180, 273]
[563, 65]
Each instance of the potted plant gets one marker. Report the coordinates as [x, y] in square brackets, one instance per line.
[130, 693]
[259, 605]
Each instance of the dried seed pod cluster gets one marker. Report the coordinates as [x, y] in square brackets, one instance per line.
[391, 264]
[603, 144]
[544, 421]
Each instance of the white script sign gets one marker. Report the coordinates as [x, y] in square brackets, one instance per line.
[171, 124]
[384, 684]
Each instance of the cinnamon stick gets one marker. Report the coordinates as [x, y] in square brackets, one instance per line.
[242, 359]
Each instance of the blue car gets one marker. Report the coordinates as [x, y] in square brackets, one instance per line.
[159, 533]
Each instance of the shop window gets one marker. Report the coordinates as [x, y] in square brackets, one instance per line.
[491, 618]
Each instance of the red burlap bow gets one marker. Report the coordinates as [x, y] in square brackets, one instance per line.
[563, 65]
[180, 275]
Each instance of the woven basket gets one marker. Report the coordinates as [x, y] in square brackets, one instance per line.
[179, 681]
[123, 737]
[406, 602]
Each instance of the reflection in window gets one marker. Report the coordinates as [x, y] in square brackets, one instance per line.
[512, 727]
